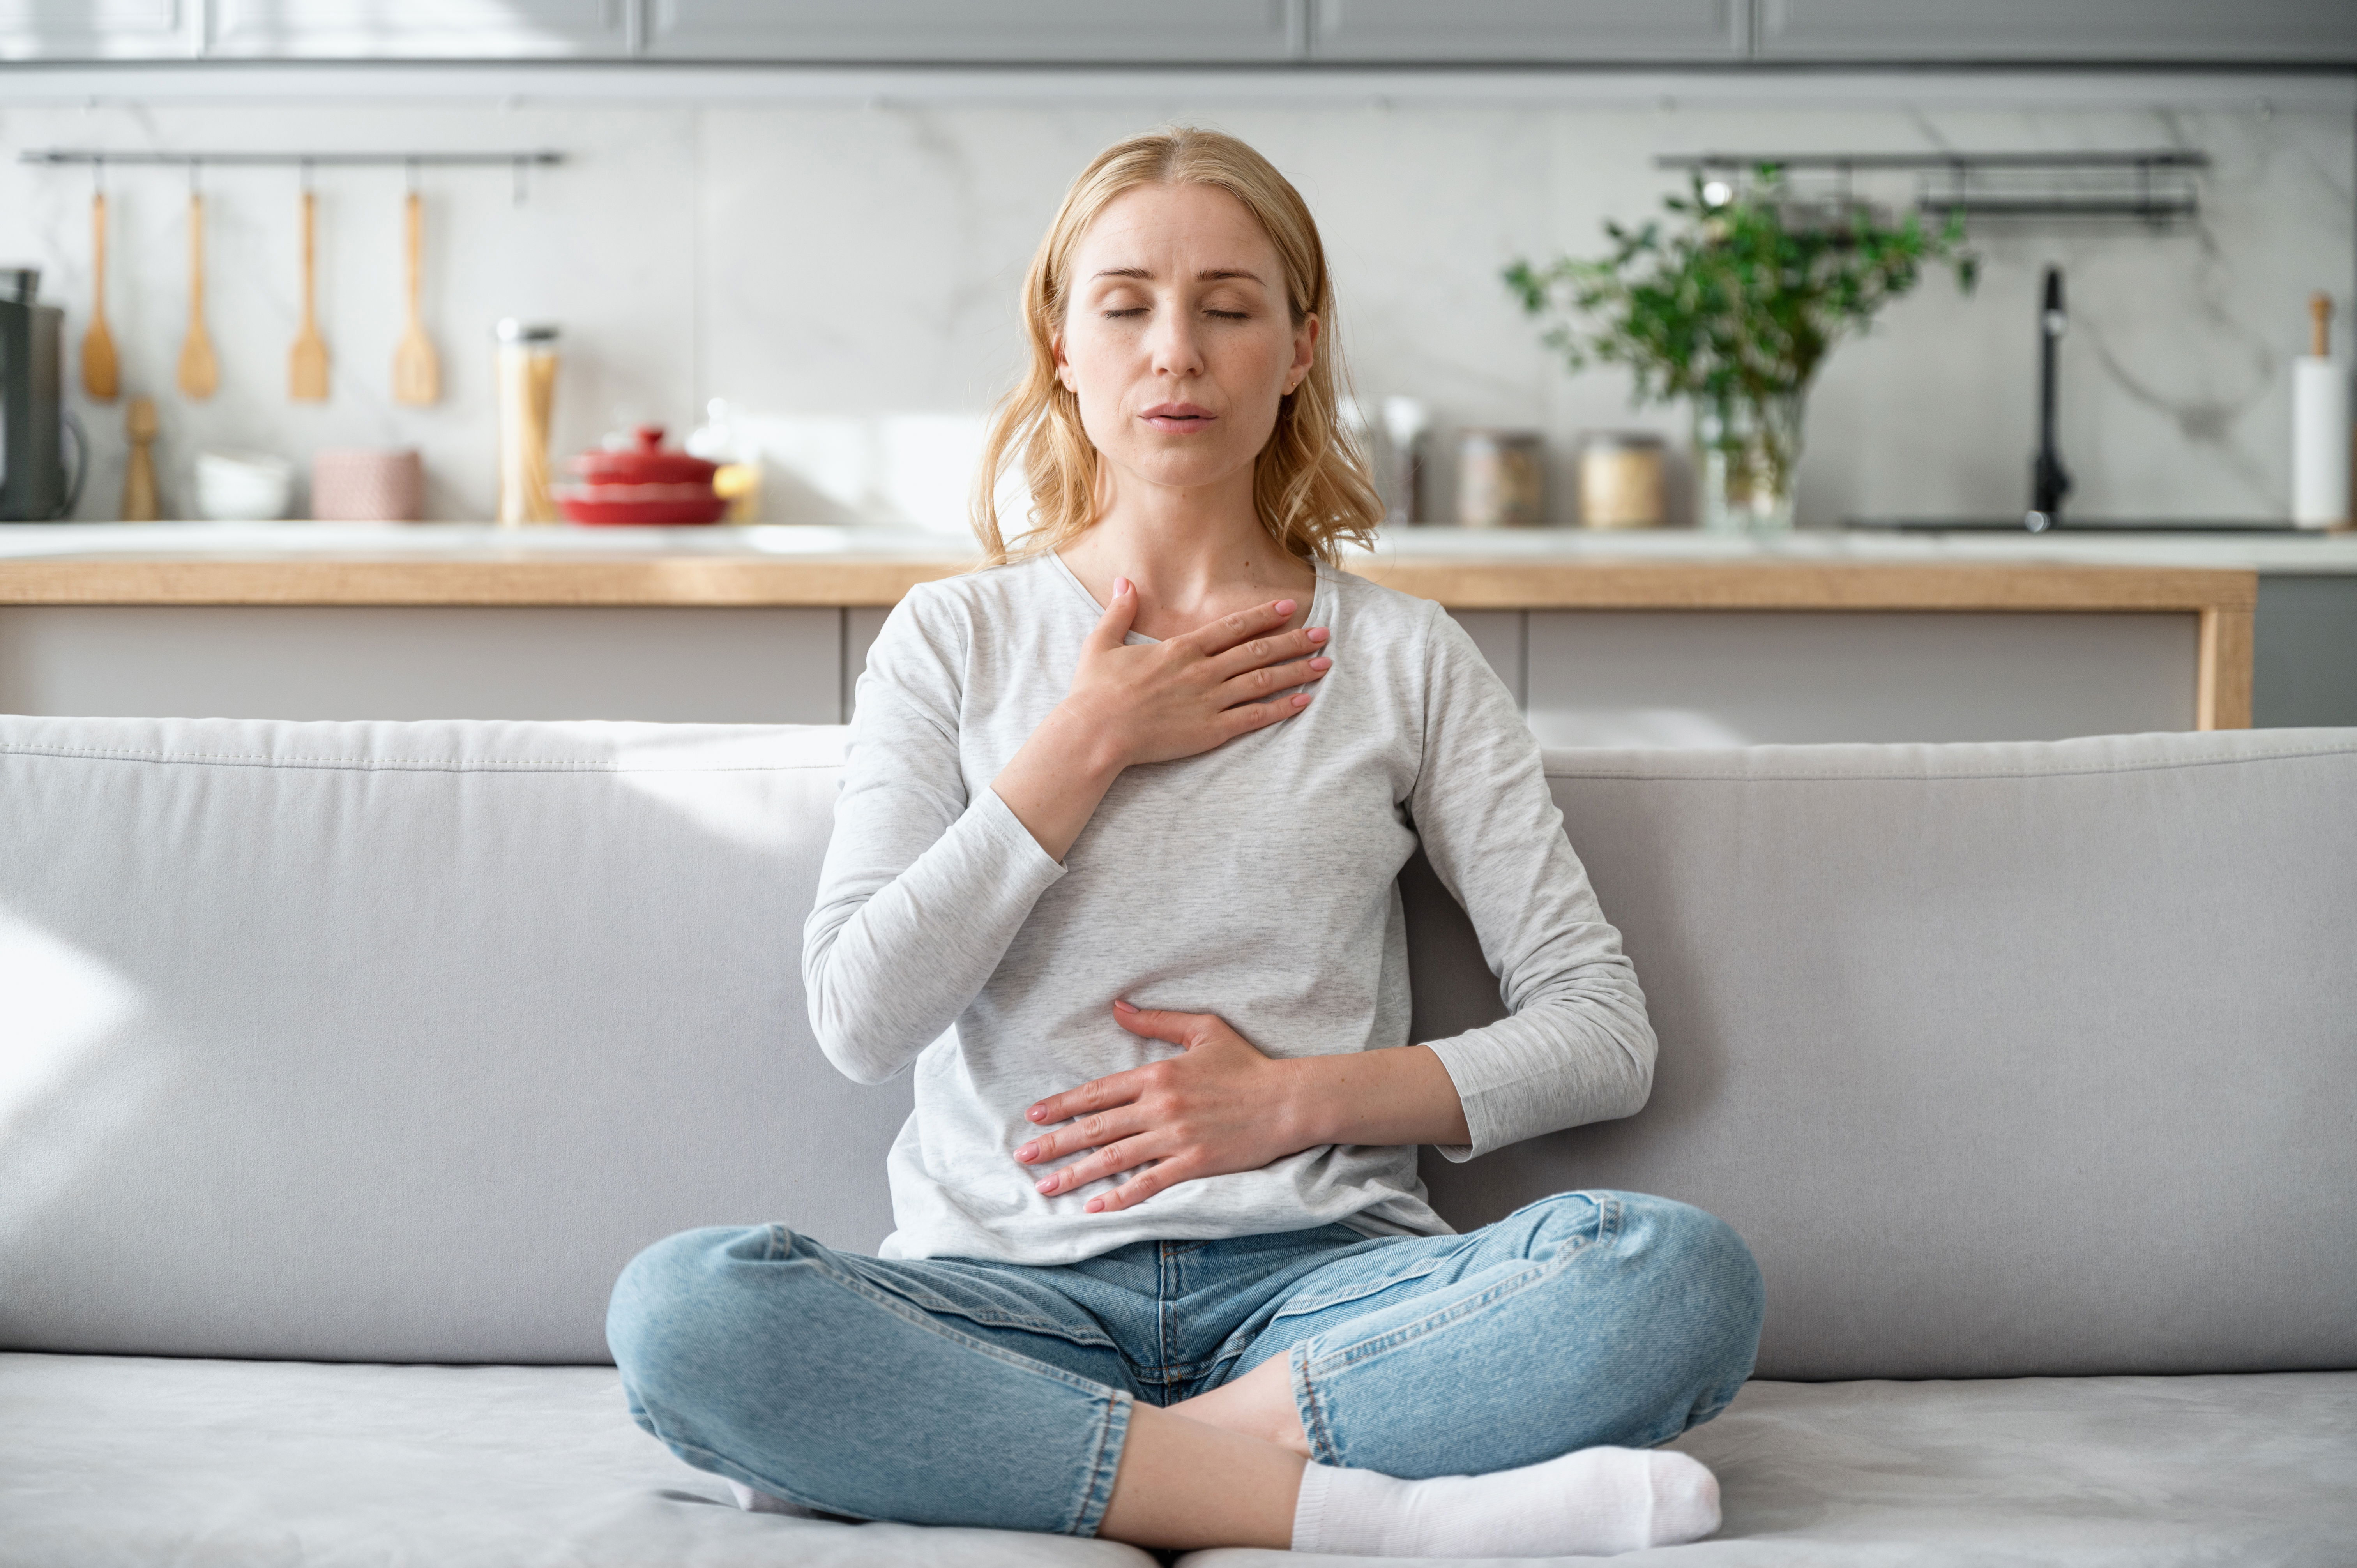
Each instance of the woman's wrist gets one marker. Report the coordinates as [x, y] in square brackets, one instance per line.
[1054, 782]
[1379, 1096]
[1093, 746]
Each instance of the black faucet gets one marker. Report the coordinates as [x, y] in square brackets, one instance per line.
[2048, 480]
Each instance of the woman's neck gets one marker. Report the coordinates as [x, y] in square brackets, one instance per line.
[1194, 555]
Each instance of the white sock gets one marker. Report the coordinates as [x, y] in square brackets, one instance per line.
[752, 1501]
[1594, 1502]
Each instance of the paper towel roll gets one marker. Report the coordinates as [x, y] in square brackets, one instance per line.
[2319, 442]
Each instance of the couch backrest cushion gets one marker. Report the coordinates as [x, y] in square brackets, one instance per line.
[2006, 1058]
[396, 1041]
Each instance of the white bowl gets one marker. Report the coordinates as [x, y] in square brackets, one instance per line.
[242, 486]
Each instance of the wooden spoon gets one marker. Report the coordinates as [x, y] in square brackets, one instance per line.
[98, 368]
[307, 366]
[200, 373]
[416, 373]
[139, 477]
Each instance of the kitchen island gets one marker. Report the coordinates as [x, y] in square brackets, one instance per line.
[1660, 637]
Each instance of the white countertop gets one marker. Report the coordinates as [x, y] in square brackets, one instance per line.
[2271, 554]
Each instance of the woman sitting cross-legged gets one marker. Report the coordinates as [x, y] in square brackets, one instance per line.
[1114, 869]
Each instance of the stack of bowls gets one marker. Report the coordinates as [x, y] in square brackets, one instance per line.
[242, 486]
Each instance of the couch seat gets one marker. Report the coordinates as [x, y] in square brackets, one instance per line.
[108, 1461]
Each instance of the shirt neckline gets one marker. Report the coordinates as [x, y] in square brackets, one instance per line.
[1318, 594]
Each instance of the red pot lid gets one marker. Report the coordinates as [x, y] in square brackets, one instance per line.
[646, 464]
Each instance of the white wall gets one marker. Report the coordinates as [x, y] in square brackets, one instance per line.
[839, 254]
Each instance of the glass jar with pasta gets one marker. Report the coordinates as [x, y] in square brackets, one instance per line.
[525, 382]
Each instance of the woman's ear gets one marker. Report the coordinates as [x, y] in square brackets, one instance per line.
[1063, 366]
[1305, 354]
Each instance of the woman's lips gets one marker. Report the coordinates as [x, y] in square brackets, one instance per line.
[1178, 418]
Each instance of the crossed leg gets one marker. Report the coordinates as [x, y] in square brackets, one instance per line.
[1527, 1350]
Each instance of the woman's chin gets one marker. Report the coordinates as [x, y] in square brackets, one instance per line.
[1178, 468]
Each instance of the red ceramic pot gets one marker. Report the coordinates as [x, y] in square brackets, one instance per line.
[643, 484]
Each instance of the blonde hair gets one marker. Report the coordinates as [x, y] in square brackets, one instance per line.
[1310, 482]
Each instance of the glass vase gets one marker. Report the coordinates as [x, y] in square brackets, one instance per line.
[1747, 451]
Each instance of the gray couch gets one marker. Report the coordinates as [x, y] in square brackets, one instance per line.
[342, 1066]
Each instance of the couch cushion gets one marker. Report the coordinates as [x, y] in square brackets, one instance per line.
[2006, 1059]
[2258, 1471]
[396, 1041]
[110, 1462]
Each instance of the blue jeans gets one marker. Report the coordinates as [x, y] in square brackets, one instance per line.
[959, 1392]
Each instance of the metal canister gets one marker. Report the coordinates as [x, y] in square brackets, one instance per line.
[1501, 478]
[1620, 479]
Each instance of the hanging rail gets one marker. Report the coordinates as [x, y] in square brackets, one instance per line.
[2166, 157]
[2157, 185]
[541, 158]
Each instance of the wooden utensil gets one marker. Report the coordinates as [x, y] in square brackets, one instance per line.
[98, 368]
[2319, 326]
[416, 373]
[307, 365]
[139, 479]
[199, 371]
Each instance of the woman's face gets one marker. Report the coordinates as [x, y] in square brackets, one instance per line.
[1178, 340]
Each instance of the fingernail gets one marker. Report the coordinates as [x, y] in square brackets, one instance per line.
[1097, 1206]
[1027, 1152]
[1047, 1185]
[1121, 1005]
[1319, 634]
[1037, 1114]
[1283, 606]
[1322, 664]
[1302, 701]
[1120, 585]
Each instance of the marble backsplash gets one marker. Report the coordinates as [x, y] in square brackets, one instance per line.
[842, 265]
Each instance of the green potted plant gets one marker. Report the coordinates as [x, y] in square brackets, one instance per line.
[1734, 309]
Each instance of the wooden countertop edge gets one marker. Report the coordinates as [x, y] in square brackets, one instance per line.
[739, 582]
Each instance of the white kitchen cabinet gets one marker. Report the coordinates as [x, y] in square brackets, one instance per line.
[2192, 32]
[1110, 31]
[1552, 32]
[101, 30]
[419, 29]
[1749, 677]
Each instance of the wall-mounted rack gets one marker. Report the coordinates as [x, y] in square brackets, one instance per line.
[97, 159]
[2155, 186]
[541, 158]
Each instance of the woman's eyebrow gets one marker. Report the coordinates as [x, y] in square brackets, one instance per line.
[1209, 274]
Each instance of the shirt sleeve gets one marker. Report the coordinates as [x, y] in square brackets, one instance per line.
[922, 888]
[1576, 1045]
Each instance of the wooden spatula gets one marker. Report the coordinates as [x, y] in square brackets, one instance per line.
[200, 373]
[307, 365]
[416, 373]
[98, 369]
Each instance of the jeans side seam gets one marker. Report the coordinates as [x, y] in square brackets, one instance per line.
[1104, 1465]
[1311, 1408]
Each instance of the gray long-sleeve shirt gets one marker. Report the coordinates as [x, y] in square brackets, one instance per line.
[1255, 881]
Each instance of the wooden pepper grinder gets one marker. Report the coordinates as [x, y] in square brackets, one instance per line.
[139, 479]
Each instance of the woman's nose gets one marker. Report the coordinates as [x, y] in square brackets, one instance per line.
[1176, 351]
